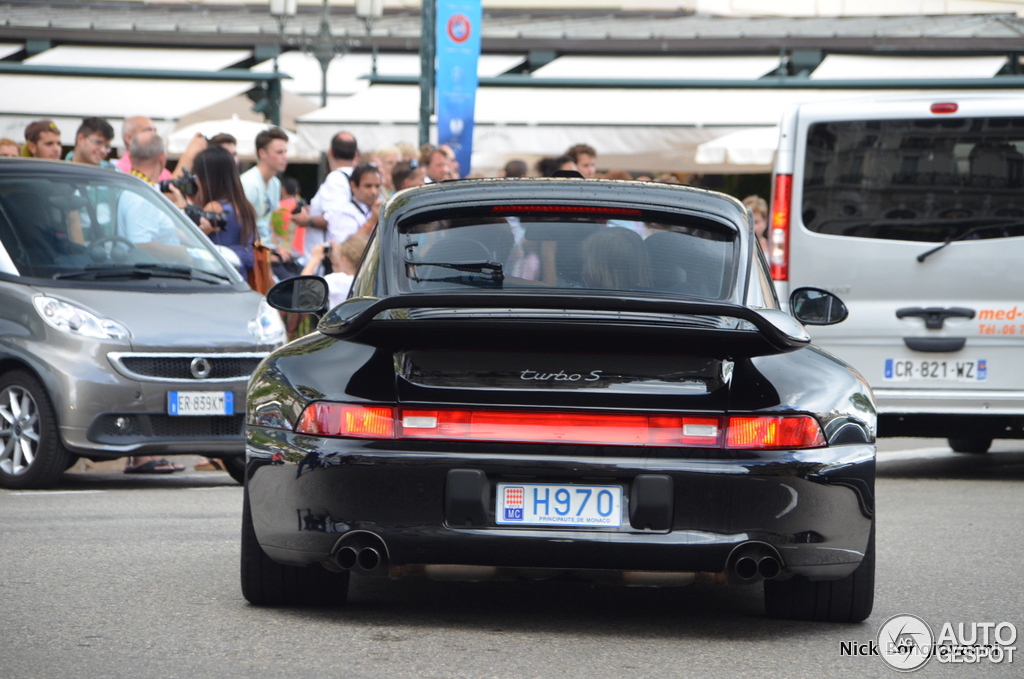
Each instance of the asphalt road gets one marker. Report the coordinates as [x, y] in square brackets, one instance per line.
[116, 576]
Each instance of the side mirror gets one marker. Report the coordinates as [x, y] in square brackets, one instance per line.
[813, 306]
[302, 294]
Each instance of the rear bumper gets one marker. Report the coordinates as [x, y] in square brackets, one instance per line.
[814, 507]
[950, 412]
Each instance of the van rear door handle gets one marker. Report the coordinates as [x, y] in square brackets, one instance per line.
[935, 316]
[935, 344]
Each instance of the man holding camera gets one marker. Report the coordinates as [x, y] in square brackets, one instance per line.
[150, 229]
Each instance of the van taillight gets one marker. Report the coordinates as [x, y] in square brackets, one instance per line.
[778, 234]
[558, 426]
[944, 107]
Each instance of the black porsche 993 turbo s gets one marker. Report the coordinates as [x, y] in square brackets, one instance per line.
[577, 378]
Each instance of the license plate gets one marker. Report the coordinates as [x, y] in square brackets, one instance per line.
[547, 504]
[200, 403]
[899, 370]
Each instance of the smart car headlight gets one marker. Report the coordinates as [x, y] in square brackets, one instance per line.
[75, 320]
[267, 327]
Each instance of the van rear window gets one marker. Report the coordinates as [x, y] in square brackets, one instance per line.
[915, 180]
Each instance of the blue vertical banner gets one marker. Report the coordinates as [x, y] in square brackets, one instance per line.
[459, 24]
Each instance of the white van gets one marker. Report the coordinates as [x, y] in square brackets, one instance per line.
[911, 208]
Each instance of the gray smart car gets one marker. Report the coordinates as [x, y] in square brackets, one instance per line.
[123, 331]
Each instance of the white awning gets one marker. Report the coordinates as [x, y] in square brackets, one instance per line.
[854, 67]
[653, 68]
[752, 149]
[157, 58]
[346, 74]
[9, 48]
[67, 99]
[109, 97]
[33, 97]
[244, 131]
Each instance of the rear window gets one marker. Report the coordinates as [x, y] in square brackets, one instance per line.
[623, 250]
[915, 180]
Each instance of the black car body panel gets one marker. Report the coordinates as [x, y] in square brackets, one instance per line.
[560, 353]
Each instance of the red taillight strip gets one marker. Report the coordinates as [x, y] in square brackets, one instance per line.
[778, 231]
[579, 209]
[542, 426]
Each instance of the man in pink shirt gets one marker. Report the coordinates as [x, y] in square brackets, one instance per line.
[131, 127]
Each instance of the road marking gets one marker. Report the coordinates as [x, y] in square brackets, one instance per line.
[57, 492]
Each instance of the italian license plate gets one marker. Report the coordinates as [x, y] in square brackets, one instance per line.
[200, 403]
[899, 370]
[546, 504]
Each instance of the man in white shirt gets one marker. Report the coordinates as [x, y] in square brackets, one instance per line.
[360, 214]
[435, 162]
[336, 191]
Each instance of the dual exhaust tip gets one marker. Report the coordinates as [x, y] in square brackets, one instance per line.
[365, 559]
[755, 561]
[363, 552]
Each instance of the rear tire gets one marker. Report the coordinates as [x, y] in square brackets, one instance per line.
[973, 445]
[846, 600]
[31, 452]
[268, 583]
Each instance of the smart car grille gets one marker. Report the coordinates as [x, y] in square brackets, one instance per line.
[139, 428]
[178, 367]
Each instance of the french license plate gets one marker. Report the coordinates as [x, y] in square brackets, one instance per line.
[547, 504]
[898, 370]
[200, 403]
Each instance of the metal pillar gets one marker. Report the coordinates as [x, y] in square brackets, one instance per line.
[428, 46]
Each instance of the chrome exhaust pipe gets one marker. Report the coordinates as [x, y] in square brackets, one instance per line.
[768, 568]
[745, 568]
[346, 558]
[368, 559]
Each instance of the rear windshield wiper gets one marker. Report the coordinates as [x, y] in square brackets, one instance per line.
[144, 271]
[492, 270]
[963, 236]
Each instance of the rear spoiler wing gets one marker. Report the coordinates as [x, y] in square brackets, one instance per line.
[394, 320]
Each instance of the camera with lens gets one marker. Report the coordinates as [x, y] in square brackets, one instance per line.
[299, 204]
[217, 219]
[186, 183]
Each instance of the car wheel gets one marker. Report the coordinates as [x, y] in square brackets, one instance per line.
[31, 452]
[846, 600]
[235, 467]
[977, 446]
[268, 583]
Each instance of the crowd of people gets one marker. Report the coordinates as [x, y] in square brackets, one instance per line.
[262, 205]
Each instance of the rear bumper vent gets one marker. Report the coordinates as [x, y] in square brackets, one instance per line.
[151, 428]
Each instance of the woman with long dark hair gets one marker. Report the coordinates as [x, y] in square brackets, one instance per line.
[220, 190]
